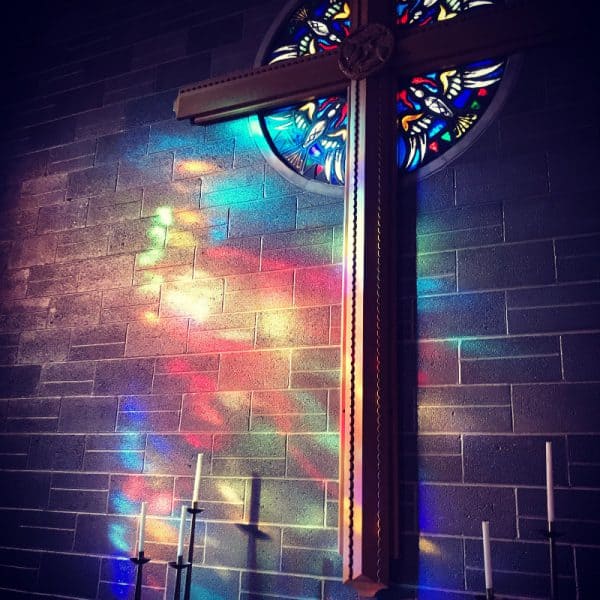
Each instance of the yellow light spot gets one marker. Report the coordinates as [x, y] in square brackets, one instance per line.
[428, 547]
[151, 317]
[181, 239]
[229, 494]
[189, 217]
[195, 167]
[275, 326]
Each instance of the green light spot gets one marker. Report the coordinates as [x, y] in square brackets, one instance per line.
[149, 257]
[447, 137]
[475, 105]
[165, 215]
[157, 234]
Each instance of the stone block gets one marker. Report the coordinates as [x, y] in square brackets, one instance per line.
[176, 73]
[318, 286]
[172, 134]
[136, 236]
[227, 546]
[39, 250]
[164, 336]
[313, 455]
[82, 243]
[190, 373]
[171, 454]
[52, 279]
[215, 34]
[146, 170]
[272, 584]
[196, 299]
[579, 357]
[91, 535]
[127, 492]
[91, 182]
[258, 292]
[492, 419]
[463, 395]
[556, 215]
[437, 362]
[128, 376]
[314, 562]
[19, 381]
[88, 414]
[577, 258]
[149, 109]
[44, 346]
[511, 360]
[209, 157]
[514, 460]
[554, 408]
[255, 370]
[124, 145]
[264, 216]
[455, 315]
[498, 179]
[24, 490]
[295, 327]
[98, 215]
[59, 217]
[231, 257]
[83, 575]
[179, 196]
[52, 452]
[75, 310]
[104, 341]
[45, 184]
[459, 509]
[216, 411]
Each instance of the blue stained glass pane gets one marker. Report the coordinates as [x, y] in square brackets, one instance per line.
[435, 110]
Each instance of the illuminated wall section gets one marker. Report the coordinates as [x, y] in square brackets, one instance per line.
[166, 293]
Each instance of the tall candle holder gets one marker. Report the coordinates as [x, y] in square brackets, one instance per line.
[193, 510]
[140, 560]
[551, 534]
[178, 565]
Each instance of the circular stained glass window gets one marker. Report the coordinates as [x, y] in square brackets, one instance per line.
[436, 110]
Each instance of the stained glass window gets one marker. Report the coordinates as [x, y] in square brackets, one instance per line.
[435, 110]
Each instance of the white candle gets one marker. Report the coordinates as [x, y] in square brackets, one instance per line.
[487, 554]
[181, 528]
[549, 484]
[197, 478]
[142, 526]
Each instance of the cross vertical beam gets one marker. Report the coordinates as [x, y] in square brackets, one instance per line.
[366, 527]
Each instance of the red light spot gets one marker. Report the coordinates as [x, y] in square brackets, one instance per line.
[434, 146]
[482, 92]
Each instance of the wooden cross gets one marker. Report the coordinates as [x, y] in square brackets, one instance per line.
[370, 390]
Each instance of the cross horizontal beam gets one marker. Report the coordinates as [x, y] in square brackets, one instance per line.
[476, 34]
[266, 87]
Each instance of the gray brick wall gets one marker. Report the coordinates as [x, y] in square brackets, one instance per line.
[506, 319]
[164, 291]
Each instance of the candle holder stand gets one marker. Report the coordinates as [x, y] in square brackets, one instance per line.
[178, 565]
[194, 511]
[489, 595]
[551, 534]
[140, 560]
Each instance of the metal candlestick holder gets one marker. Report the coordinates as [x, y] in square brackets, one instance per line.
[194, 511]
[140, 560]
[178, 565]
[551, 534]
[489, 595]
